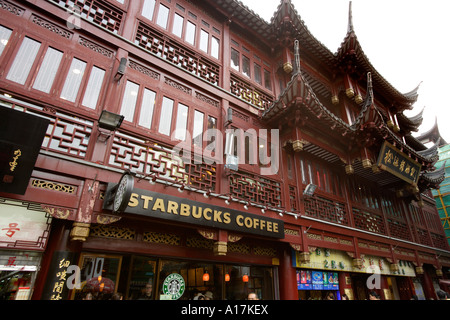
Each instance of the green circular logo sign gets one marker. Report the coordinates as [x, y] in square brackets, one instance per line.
[174, 285]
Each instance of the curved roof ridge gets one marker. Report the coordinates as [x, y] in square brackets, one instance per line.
[351, 44]
[436, 176]
[432, 134]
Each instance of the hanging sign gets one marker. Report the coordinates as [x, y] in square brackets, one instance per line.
[21, 136]
[163, 206]
[399, 164]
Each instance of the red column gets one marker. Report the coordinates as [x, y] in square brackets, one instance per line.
[428, 287]
[287, 277]
[58, 241]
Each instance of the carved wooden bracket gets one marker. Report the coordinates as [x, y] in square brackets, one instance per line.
[59, 212]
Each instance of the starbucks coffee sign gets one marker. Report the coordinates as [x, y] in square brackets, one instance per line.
[174, 286]
[123, 198]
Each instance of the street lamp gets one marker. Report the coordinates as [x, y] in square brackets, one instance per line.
[110, 121]
[107, 123]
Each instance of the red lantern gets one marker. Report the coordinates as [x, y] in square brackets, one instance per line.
[227, 277]
[245, 278]
[206, 276]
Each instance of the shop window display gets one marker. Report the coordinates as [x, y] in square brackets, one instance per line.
[151, 278]
[142, 278]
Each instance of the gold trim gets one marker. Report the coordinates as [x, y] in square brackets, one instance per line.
[58, 213]
[220, 248]
[80, 231]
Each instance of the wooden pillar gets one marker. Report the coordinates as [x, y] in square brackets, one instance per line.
[58, 241]
[427, 283]
[287, 277]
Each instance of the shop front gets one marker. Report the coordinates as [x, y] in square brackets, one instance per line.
[163, 247]
[24, 229]
[140, 277]
[332, 273]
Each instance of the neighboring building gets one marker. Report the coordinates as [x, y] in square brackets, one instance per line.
[298, 173]
[442, 194]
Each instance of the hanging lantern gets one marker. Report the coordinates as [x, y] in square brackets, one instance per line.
[245, 278]
[227, 277]
[206, 276]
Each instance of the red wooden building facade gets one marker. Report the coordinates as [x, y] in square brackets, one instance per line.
[228, 87]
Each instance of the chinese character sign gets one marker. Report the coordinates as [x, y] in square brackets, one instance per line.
[399, 164]
[11, 230]
[59, 272]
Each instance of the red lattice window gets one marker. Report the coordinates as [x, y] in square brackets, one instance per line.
[147, 158]
[65, 134]
[97, 11]
[439, 241]
[249, 93]
[256, 189]
[423, 236]
[170, 50]
[399, 229]
[325, 209]
[368, 221]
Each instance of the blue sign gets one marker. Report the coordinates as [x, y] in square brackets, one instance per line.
[317, 280]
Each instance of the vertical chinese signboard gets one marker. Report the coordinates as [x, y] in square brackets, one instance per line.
[21, 137]
[399, 164]
[56, 287]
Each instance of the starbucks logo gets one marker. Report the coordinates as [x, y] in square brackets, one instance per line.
[174, 285]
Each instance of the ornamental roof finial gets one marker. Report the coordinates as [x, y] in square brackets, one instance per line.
[297, 56]
[350, 18]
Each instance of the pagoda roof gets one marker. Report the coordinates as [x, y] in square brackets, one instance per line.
[286, 16]
[432, 135]
[432, 179]
[414, 143]
[299, 93]
[408, 124]
[352, 47]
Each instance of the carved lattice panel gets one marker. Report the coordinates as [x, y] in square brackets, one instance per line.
[368, 221]
[423, 237]
[325, 209]
[54, 186]
[169, 49]
[399, 229]
[69, 135]
[107, 231]
[139, 156]
[439, 241]
[238, 248]
[255, 189]
[65, 133]
[249, 93]
[163, 238]
[201, 243]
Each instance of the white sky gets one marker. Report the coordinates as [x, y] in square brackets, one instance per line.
[407, 42]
